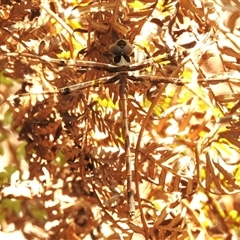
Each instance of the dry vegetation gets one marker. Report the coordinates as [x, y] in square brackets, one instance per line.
[62, 170]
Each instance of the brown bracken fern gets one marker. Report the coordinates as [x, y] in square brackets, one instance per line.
[62, 161]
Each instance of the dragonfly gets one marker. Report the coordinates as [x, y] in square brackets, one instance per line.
[121, 70]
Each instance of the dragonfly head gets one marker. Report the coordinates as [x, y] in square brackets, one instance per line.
[121, 50]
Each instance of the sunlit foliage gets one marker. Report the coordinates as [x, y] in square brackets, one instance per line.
[63, 174]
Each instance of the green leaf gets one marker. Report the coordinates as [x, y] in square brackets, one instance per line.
[6, 174]
[60, 160]
[11, 204]
[1, 150]
[6, 80]
[37, 212]
[21, 153]
[106, 103]
[7, 120]
[3, 136]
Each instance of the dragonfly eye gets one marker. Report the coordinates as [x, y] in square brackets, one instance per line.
[121, 47]
[118, 59]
